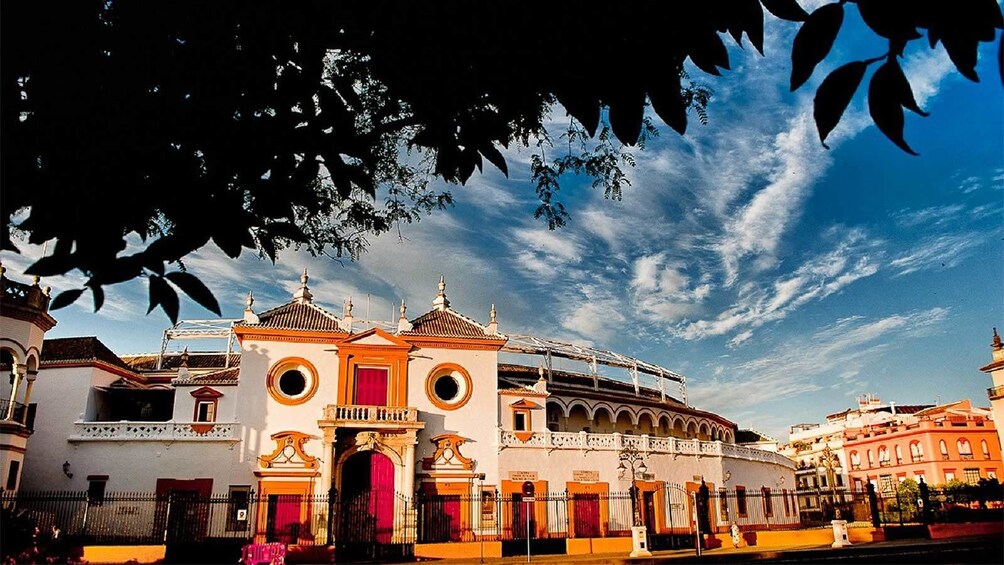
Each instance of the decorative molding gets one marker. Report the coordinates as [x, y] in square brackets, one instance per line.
[466, 386]
[287, 364]
[289, 452]
[448, 456]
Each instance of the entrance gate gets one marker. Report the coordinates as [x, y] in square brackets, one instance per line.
[365, 514]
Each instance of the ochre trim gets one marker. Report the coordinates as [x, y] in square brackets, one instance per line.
[450, 442]
[523, 436]
[443, 369]
[524, 403]
[289, 439]
[280, 367]
[269, 487]
[14, 448]
[392, 355]
[509, 488]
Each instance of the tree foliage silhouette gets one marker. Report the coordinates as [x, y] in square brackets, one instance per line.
[315, 124]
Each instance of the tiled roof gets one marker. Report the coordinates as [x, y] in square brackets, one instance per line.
[447, 323]
[296, 316]
[197, 360]
[225, 376]
[81, 350]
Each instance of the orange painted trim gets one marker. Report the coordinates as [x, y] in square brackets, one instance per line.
[455, 343]
[523, 436]
[14, 448]
[393, 357]
[280, 367]
[242, 332]
[461, 489]
[658, 488]
[274, 474]
[267, 487]
[509, 488]
[443, 369]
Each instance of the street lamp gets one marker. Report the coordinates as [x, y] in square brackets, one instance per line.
[634, 462]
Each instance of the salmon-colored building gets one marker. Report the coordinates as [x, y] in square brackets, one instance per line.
[945, 442]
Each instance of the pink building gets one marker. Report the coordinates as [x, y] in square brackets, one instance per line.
[946, 442]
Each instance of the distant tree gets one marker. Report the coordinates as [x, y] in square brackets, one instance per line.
[275, 124]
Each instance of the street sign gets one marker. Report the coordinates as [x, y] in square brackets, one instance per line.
[528, 489]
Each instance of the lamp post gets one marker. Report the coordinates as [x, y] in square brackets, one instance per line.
[828, 459]
[633, 462]
[481, 513]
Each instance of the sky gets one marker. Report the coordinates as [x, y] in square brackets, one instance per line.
[781, 278]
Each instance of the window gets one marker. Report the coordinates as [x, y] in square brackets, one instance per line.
[965, 450]
[448, 386]
[292, 381]
[205, 411]
[899, 455]
[787, 506]
[883, 455]
[96, 489]
[237, 510]
[919, 477]
[840, 480]
[521, 420]
[885, 483]
[972, 476]
[985, 448]
[949, 475]
[723, 504]
[871, 459]
[916, 452]
[943, 447]
[12, 473]
[858, 485]
[855, 460]
[487, 506]
[371, 386]
[991, 473]
[741, 501]
[768, 503]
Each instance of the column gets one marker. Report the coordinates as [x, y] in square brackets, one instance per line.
[19, 371]
[27, 397]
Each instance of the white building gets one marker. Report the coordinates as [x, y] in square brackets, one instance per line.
[996, 392]
[438, 404]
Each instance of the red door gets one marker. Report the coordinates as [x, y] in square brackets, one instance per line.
[587, 515]
[371, 387]
[368, 489]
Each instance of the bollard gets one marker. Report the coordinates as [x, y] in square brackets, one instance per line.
[840, 538]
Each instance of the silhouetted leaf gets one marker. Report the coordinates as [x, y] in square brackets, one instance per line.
[813, 42]
[892, 20]
[163, 295]
[51, 265]
[495, 157]
[193, 287]
[65, 298]
[904, 94]
[667, 100]
[833, 96]
[709, 53]
[749, 14]
[786, 10]
[626, 113]
[885, 108]
[962, 50]
[99, 296]
[583, 107]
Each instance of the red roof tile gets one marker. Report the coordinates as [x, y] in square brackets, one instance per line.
[171, 362]
[80, 350]
[296, 316]
[447, 323]
[225, 376]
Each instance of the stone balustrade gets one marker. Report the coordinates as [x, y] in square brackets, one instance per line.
[358, 414]
[644, 443]
[154, 431]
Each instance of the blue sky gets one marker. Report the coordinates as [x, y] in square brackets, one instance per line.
[782, 279]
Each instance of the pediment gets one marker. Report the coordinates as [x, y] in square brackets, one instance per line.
[376, 337]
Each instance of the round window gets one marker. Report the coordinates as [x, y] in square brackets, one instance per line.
[292, 381]
[448, 386]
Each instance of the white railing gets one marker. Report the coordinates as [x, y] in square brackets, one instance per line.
[154, 431]
[370, 414]
[644, 443]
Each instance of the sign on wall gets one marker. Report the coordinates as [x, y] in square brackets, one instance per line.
[520, 476]
[586, 476]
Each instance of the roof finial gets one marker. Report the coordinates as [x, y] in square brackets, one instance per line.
[997, 341]
[249, 316]
[441, 302]
[184, 358]
[493, 325]
[346, 322]
[35, 280]
[403, 325]
[302, 295]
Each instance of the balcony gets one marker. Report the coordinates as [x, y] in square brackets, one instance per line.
[21, 414]
[966, 456]
[995, 393]
[359, 416]
[155, 431]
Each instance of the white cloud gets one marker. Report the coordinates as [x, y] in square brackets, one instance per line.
[942, 251]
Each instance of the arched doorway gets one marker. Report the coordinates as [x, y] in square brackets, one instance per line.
[367, 499]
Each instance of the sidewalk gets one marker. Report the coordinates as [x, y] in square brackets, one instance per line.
[984, 549]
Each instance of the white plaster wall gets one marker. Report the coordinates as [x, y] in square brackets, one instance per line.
[260, 415]
[477, 420]
[136, 465]
[63, 396]
[226, 405]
